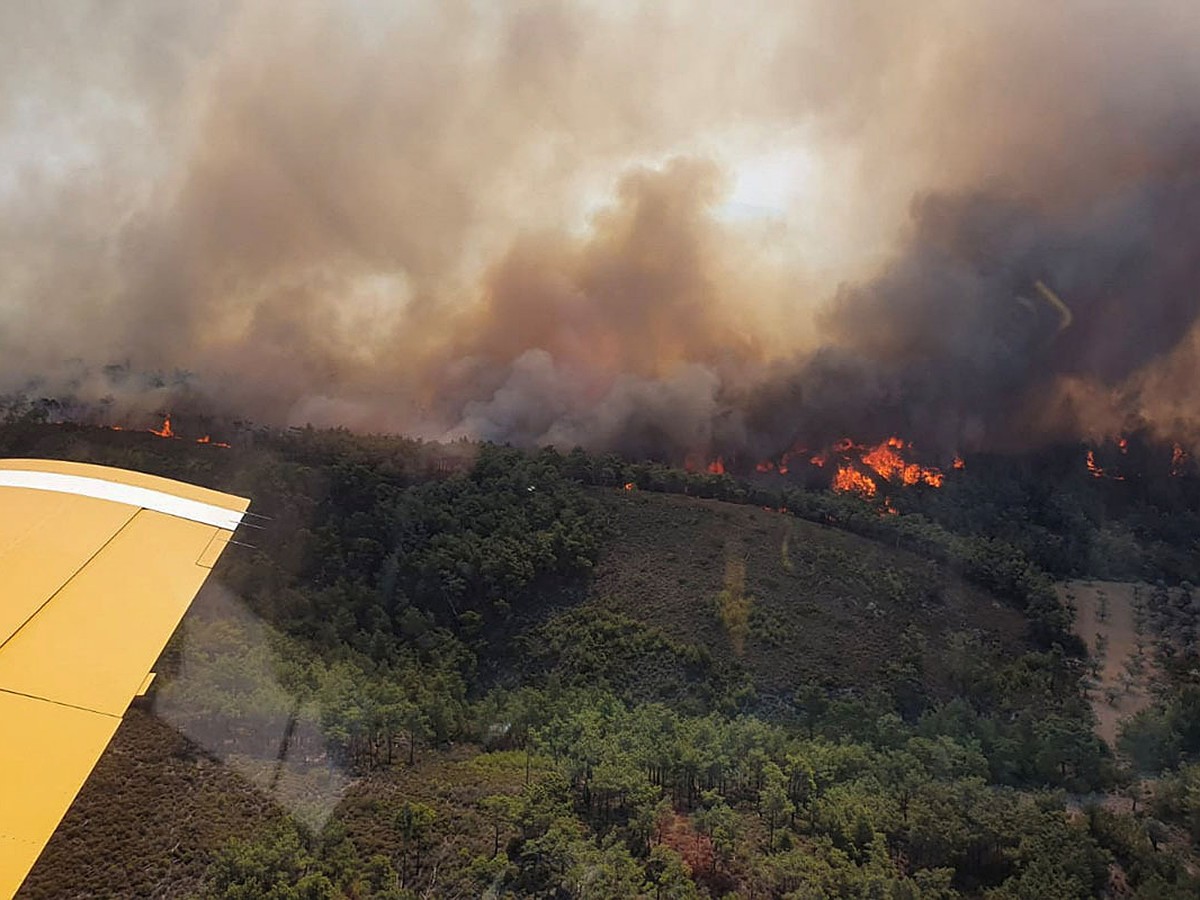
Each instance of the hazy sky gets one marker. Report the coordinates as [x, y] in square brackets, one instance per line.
[631, 224]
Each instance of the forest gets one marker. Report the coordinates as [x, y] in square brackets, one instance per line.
[470, 670]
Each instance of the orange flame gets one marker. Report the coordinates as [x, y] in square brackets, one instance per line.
[958, 463]
[888, 463]
[716, 467]
[1179, 458]
[850, 479]
[165, 431]
[1123, 445]
[1097, 471]
[629, 486]
[884, 460]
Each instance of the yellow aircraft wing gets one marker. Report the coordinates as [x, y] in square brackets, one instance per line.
[97, 567]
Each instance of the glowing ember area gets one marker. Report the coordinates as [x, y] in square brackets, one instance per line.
[1097, 471]
[629, 486]
[958, 463]
[766, 466]
[848, 479]
[716, 467]
[1179, 458]
[818, 460]
[1123, 445]
[165, 431]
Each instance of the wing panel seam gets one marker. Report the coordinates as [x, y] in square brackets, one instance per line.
[87, 562]
[87, 709]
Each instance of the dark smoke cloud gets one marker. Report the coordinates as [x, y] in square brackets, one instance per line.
[514, 222]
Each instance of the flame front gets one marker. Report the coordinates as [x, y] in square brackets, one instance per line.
[1098, 471]
[888, 463]
[859, 466]
[165, 431]
[849, 479]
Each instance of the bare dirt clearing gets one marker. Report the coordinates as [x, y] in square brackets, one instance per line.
[1110, 617]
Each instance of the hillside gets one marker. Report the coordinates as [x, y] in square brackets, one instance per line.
[825, 605]
[149, 819]
[781, 601]
[495, 671]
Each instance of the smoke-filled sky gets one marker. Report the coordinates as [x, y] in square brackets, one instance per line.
[657, 227]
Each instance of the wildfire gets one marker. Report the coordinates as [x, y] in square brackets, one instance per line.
[629, 486]
[849, 479]
[859, 466]
[1097, 471]
[1123, 445]
[888, 463]
[716, 467]
[165, 431]
[1179, 458]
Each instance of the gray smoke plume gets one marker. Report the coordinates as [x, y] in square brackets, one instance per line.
[667, 229]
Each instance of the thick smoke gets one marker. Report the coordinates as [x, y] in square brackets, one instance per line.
[665, 229]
